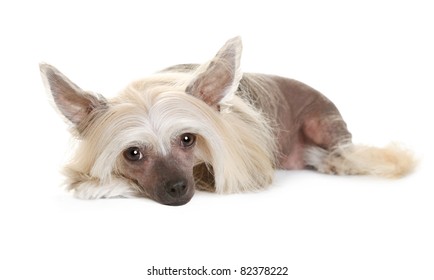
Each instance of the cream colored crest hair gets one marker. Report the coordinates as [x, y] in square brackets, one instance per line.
[236, 144]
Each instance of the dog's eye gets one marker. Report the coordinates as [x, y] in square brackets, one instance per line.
[187, 140]
[133, 154]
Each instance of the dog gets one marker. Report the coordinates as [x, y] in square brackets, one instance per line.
[207, 127]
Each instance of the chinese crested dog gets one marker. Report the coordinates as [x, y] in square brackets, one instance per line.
[208, 127]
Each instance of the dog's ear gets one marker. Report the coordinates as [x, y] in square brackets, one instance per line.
[220, 79]
[73, 102]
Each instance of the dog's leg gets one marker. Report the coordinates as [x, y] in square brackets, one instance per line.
[93, 190]
[323, 135]
[204, 177]
[332, 151]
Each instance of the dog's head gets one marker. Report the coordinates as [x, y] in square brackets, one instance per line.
[153, 135]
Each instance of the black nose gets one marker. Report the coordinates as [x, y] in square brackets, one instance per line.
[176, 189]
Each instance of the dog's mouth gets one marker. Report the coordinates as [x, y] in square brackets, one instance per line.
[178, 202]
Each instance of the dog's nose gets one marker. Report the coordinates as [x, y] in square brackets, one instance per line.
[176, 189]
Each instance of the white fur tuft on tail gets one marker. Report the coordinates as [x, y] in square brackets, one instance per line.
[392, 161]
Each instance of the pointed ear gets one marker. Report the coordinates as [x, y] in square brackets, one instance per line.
[73, 102]
[221, 76]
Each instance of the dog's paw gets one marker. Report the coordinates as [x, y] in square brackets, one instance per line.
[115, 189]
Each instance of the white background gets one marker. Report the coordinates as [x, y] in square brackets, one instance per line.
[374, 59]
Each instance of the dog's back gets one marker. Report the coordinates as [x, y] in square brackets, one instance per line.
[310, 130]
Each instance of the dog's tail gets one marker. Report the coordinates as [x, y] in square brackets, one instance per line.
[392, 161]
